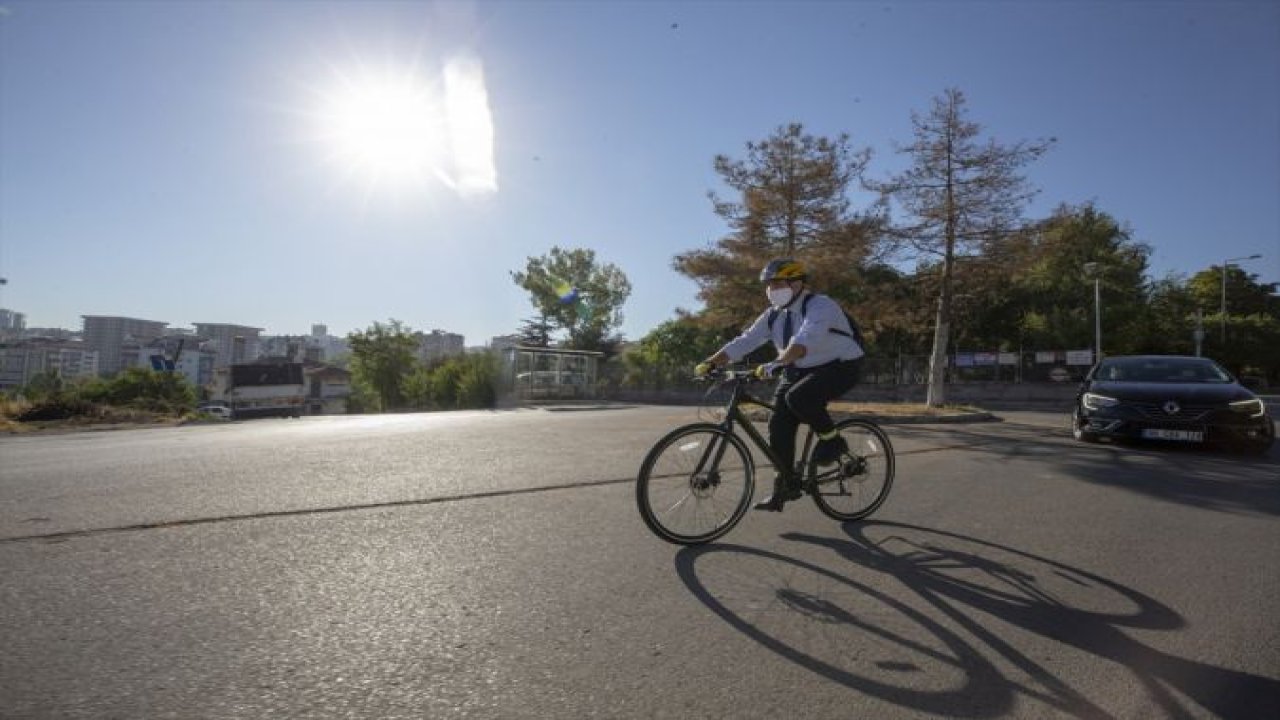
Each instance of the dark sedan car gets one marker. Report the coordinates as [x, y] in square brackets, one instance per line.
[1171, 398]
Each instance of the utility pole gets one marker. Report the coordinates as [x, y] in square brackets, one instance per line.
[1092, 269]
[1198, 334]
[1226, 264]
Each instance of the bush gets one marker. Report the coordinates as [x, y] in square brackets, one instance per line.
[144, 389]
[58, 408]
[51, 398]
[466, 381]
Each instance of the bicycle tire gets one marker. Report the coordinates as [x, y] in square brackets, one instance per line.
[859, 483]
[675, 470]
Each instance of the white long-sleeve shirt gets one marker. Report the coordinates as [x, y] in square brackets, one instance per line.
[813, 331]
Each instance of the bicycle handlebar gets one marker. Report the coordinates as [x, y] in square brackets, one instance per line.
[725, 374]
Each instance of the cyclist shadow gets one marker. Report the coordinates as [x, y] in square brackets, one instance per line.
[953, 576]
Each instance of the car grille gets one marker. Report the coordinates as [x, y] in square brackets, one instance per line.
[1186, 413]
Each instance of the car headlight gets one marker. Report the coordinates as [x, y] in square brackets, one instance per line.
[1252, 408]
[1094, 401]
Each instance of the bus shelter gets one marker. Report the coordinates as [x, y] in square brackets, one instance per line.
[538, 373]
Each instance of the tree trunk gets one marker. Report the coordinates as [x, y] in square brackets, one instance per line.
[942, 327]
[937, 392]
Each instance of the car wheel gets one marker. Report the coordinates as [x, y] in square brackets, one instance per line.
[1079, 433]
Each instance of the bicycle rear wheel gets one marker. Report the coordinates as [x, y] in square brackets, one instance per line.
[695, 484]
[858, 484]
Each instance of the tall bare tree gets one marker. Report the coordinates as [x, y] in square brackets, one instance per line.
[791, 201]
[958, 193]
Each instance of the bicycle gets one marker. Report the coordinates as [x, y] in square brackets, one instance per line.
[704, 473]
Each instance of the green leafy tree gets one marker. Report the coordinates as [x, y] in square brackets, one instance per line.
[957, 193]
[382, 356]
[464, 381]
[536, 332]
[362, 399]
[667, 354]
[1052, 281]
[478, 381]
[1169, 319]
[790, 200]
[1245, 336]
[578, 295]
[1237, 290]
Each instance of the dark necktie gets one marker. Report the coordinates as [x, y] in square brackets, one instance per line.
[786, 328]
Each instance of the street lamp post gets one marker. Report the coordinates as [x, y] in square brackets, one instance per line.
[1223, 317]
[1198, 333]
[1091, 269]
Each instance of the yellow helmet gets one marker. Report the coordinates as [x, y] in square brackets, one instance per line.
[783, 269]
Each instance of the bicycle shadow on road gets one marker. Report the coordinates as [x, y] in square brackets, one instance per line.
[928, 629]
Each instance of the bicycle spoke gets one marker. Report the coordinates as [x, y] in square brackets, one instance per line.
[678, 503]
[859, 482]
[695, 484]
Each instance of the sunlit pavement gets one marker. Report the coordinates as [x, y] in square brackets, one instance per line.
[1013, 573]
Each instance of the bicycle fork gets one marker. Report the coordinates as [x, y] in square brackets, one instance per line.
[704, 480]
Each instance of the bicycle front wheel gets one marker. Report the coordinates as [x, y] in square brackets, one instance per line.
[858, 484]
[695, 484]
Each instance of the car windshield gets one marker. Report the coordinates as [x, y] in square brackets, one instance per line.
[1161, 370]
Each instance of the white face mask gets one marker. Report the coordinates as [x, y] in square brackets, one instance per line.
[779, 297]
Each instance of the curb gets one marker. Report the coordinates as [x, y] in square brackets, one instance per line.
[973, 417]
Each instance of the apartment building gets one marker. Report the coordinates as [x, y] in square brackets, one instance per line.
[234, 344]
[499, 344]
[110, 335]
[12, 323]
[22, 360]
[439, 344]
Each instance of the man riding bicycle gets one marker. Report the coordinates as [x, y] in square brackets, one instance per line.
[818, 361]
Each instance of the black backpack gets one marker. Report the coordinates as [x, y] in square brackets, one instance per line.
[856, 333]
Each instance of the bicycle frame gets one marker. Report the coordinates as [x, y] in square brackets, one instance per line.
[734, 415]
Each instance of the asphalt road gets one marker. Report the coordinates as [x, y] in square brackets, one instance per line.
[492, 564]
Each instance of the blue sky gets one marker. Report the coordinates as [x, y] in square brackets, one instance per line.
[179, 161]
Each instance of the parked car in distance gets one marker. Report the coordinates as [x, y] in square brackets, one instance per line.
[1170, 398]
[218, 411]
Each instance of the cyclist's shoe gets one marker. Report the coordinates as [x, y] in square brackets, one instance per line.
[829, 451]
[783, 491]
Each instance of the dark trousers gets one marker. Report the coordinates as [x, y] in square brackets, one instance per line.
[801, 397]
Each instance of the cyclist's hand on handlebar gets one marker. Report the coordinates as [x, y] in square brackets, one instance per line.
[703, 369]
[768, 370]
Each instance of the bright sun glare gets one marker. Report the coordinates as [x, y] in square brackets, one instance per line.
[386, 129]
[395, 130]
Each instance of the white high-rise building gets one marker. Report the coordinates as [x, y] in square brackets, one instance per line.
[438, 344]
[234, 344]
[109, 335]
[12, 323]
[22, 360]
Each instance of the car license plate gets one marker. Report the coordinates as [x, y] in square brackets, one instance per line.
[1183, 435]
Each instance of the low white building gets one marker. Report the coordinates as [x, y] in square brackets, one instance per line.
[282, 389]
[193, 363]
[260, 389]
[327, 389]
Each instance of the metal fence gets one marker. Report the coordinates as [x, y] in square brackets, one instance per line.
[965, 366]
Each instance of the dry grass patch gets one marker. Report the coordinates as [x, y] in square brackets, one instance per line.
[899, 409]
[102, 418]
